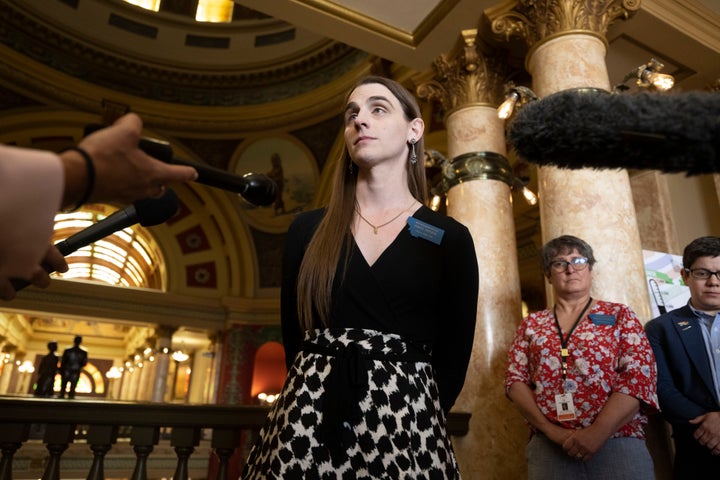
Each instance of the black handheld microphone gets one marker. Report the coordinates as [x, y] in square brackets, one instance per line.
[147, 212]
[256, 188]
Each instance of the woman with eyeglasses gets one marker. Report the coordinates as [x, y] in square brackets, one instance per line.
[686, 342]
[582, 374]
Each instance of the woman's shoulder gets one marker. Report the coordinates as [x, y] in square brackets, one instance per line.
[305, 223]
[308, 219]
[447, 223]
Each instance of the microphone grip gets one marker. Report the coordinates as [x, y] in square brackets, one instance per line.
[215, 177]
[153, 147]
[19, 283]
[63, 247]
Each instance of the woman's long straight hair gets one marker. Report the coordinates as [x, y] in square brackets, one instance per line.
[333, 235]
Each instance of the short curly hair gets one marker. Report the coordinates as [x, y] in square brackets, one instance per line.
[565, 244]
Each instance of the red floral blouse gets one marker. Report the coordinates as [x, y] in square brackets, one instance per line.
[609, 352]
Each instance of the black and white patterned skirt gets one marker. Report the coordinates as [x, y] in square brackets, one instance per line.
[357, 404]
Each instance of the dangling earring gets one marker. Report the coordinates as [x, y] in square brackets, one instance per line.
[350, 168]
[413, 155]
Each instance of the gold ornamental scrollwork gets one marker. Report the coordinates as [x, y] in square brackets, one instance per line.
[464, 77]
[476, 166]
[535, 20]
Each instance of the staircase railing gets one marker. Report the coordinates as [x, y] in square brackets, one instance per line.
[101, 423]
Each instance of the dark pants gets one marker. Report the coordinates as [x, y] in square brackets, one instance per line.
[692, 460]
[70, 377]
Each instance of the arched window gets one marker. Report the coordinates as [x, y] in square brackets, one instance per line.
[128, 257]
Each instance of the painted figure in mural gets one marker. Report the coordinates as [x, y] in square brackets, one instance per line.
[583, 376]
[72, 363]
[378, 307]
[46, 372]
[277, 174]
[686, 342]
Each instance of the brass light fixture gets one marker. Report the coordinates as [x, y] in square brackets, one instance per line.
[516, 97]
[648, 76]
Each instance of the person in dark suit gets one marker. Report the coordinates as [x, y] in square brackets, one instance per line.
[46, 372]
[73, 361]
[686, 342]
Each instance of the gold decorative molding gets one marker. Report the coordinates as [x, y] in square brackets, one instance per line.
[477, 166]
[533, 21]
[465, 76]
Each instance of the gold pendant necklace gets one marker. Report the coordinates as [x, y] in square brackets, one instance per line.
[376, 227]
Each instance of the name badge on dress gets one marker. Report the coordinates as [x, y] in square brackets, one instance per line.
[600, 319]
[420, 229]
[565, 407]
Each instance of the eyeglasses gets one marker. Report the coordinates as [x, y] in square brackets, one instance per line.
[702, 273]
[578, 263]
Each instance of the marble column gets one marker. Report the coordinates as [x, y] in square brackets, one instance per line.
[163, 349]
[201, 376]
[478, 179]
[133, 384]
[147, 378]
[8, 359]
[652, 201]
[567, 48]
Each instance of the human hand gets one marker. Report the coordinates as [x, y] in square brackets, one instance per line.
[123, 172]
[40, 275]
[708, 431]
[558, 434]
[583, 444]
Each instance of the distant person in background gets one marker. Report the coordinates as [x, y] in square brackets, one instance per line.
[46, 372]
[73, 361]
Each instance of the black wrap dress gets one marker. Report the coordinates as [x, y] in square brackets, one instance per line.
[367, 398]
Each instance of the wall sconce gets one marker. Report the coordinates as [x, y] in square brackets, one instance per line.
[267, 398]
[529, 195]
[26, 367]
[516, 97]
[179, 356]
[648, 76]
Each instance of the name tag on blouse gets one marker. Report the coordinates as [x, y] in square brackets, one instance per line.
[420, 229]
[599, 319]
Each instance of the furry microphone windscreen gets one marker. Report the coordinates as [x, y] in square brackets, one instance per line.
[670, 132]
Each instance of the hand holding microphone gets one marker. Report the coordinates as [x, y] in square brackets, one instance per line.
[108, 166]
[256, 188]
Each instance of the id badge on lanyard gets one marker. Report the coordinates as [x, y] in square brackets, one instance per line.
[564, 401]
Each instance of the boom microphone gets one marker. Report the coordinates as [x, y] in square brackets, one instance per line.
[671, 132]
[256, 188]
[147, 212]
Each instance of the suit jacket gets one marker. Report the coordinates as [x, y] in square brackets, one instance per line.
[685, 384]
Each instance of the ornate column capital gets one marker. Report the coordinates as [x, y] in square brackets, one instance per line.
[465, 76]
[535, 21]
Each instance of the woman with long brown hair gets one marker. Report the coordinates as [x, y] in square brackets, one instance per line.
[379, 299]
